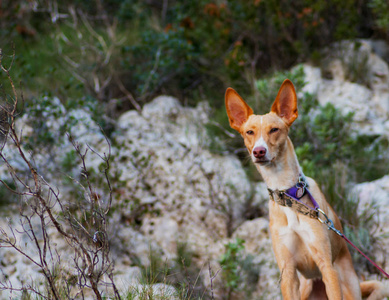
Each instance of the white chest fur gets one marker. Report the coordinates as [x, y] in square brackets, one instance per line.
[296, 231]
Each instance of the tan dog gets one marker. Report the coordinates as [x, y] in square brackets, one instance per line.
[314, 262]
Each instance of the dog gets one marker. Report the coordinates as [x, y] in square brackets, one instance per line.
[314, 262]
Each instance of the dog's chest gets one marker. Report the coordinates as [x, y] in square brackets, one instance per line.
[296, 231]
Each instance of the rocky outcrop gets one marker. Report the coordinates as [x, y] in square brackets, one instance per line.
[201, 196]
[170, 189]
[354, 79]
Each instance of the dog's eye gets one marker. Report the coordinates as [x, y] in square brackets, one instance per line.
[273, 130]
[250, 132]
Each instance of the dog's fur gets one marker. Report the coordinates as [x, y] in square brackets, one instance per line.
[314, 262]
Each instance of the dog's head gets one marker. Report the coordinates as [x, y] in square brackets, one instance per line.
[264, 135]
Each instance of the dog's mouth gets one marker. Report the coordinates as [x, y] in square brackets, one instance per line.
[262, 161]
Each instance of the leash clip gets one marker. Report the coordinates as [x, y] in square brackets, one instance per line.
[327, 221]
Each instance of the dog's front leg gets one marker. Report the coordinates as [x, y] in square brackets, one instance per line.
[330, 276]
[290, 283]
[331, 281]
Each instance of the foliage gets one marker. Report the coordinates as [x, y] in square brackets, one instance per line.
[132, 50]
[38, 66]
[230, 263]
[237, 268]
[331, 142]
[268, 88]
[381, 9]
[236, 41]
[180, 272]
[6, 196]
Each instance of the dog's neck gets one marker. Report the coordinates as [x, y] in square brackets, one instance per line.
[284, 171]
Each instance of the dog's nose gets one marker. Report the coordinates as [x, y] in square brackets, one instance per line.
[259, 152]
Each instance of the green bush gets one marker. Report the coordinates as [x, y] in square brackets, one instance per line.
[189, 49]
[380, 9]
[238, 271]
[7, 197]
[230, 263]
[216, 44]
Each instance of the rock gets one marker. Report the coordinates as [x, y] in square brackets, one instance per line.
[169, 188]
[161, 108]
[354, 79]
[258, 204]
[127, 276]
[192, 194]
[380, 47]
[343, 96]
[313, 78]
[337, 71]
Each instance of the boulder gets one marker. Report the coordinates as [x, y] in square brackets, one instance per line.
[354, 79]
[196, 196]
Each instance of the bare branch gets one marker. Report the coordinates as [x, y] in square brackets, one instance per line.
[212, 277]
[42, 208]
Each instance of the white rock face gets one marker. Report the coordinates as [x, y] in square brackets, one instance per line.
[347, 96]
[171, 190]
[201, 196]
[368, 102]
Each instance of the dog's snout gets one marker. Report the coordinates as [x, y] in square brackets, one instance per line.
[259, 152]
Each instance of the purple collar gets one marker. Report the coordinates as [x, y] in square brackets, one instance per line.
[291, 198]
[300, 190]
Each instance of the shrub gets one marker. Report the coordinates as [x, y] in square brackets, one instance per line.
[132, 50]
[238, 272]
[380, 9]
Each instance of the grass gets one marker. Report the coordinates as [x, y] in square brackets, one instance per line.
[38, 66]
[181, 273]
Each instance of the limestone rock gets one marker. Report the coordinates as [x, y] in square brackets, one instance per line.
[199, 196]
[354, 79]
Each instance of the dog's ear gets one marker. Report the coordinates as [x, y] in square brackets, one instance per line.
[285, 105]
[238, 110]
